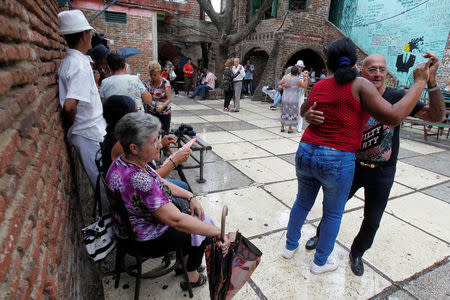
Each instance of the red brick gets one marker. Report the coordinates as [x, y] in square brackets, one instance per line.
[2, 209]
[9, 184]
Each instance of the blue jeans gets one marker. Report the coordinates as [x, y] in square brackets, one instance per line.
[277, 99]
[180, 183]
[332, 169]
[247, 87]
[201, 88]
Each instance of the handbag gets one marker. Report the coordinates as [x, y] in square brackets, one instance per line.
[182, 204]
[98, 238]
[172, 75]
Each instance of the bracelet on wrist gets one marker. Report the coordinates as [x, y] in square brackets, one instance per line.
[433, 89]
[192, 197]
[174, 163]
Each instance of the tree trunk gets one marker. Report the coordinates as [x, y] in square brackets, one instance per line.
[221, 57]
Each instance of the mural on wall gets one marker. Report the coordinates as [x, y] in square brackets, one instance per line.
[401, 30]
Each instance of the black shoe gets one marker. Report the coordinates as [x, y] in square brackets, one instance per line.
[356, 265]
[311, 244]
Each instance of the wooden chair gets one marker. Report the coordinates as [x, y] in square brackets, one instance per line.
[131, 246]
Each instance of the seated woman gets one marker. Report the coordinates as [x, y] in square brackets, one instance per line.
[158, 223]
[114, 108]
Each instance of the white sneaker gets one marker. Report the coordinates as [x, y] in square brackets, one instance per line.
[288, 254]
[331, 265]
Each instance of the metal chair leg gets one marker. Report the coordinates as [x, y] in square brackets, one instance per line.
[180, 258]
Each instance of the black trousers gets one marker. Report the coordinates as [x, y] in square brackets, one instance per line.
[377, 183]
[228, 96]
[175, 89]
[170, 241]
[165, 121]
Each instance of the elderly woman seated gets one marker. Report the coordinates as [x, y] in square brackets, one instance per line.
[114, 108]
[159, 224]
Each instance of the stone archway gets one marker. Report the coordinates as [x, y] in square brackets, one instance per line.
[310, 58]
[259, 58]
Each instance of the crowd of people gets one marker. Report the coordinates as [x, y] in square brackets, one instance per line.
[131, 120]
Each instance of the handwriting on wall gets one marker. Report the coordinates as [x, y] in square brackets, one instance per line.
[401, 30]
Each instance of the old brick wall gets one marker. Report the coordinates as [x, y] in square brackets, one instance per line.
[40, 252]
[137, 33]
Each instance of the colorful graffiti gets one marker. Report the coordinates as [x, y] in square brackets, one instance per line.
[401, 30]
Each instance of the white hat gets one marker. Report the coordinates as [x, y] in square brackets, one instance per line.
[300, 63]
[73, 21]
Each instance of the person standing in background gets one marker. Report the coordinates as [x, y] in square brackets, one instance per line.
[188, 72]
[237, 84]
[248, 78]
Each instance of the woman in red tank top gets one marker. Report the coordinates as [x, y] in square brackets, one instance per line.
[325, 156]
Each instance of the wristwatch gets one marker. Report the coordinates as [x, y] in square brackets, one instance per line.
[433, 89]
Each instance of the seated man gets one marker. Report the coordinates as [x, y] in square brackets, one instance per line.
[121, 83]
[209, 84]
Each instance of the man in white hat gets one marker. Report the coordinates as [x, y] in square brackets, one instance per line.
[78, 93]
[301, 91]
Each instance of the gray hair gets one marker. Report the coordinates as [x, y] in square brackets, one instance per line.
[136, 128]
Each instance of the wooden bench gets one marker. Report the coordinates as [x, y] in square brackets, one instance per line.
[199, 146]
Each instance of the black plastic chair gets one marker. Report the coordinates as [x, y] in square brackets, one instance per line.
[131, 246]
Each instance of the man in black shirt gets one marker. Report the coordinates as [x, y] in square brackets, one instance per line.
[377, 158]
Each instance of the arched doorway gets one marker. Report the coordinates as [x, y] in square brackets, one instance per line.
[310, 58]
[258, 58]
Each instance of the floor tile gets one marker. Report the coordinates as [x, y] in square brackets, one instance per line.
[265, 170]
[404, 153]
[287, 193]
[440, 191]
[277, 131]
[165, 287]
[219, 137]
[205, 127]
[265, 123]
[278, 146]
[193, 106]
[432, 285]
[397, 190]
[206, 102]
[182, 113]
[436, 162]
[219, 175]
[415, 177]
[175, 107]
[427, 213]
[279, 278]
[421, 148]
[238, 125]
[271, 114]
[219, 118]
[399, 250]
[290, 158]
[255, 134]
[242, 150]
[246, 116]
[206, 112]
[187, 119]
[251, 210]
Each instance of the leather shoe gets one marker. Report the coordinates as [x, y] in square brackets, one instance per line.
[311, 244]
[356, 265]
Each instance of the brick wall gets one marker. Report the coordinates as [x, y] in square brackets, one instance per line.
[137, 33]
[444, 68]
[40, 252]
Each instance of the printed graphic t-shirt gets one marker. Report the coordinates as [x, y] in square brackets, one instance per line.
[380, 143]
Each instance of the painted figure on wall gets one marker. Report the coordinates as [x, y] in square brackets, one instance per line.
[406, 60]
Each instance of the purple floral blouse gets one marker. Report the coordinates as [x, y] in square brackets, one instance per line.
[143, 192]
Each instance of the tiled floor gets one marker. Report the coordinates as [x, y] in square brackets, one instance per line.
[251, 169]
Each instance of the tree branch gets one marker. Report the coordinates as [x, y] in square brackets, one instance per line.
[209, 9]
[251, 25]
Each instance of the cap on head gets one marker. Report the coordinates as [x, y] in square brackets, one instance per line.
[98, 53]
[300, 63]
[73, 21]
[205, 69]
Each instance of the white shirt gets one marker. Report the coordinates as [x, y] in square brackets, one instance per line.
[125, 85]
[241, 75]
[76, 81]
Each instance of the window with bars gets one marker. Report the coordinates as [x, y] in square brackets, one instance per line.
[271, 12]
[298, 5]
[115, 17]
